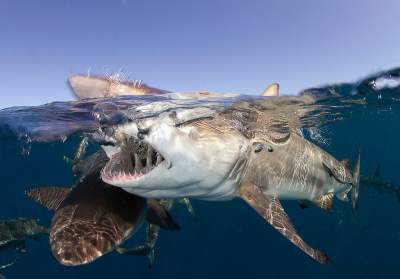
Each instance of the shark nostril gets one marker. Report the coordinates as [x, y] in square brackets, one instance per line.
[270, 149]
[258, 147]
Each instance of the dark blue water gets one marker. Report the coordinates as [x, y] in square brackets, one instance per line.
[227, 239]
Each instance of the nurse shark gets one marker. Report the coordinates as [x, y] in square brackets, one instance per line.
[92, 218]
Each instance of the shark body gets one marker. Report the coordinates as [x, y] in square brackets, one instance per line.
[222, 155]
[92, 218]
[15, 232]
[249, 149]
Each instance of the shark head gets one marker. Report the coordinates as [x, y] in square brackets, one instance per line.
[160, 159]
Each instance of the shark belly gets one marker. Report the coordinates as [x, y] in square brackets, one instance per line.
[225, 190]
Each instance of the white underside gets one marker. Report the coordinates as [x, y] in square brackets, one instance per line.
[197, 164]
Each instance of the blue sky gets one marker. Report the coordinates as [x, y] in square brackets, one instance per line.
[227, 46]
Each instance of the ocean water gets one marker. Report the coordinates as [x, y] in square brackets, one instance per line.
[224, 239]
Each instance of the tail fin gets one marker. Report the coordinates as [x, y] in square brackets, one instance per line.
[356, 184]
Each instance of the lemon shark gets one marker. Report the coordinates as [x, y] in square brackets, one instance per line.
[237, 152]
[253, 150]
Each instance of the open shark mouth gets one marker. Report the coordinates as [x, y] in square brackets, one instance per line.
[135, 160]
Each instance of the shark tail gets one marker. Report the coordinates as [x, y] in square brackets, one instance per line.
[356, 183]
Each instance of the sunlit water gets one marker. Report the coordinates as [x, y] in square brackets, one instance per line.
[224, 239]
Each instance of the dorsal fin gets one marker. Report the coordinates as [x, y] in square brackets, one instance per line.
[271, 91]
[49, 197]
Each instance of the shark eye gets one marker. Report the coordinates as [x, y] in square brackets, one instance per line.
[258, 147]
[142, 132]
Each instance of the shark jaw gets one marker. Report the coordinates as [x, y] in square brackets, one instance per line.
[165, 161]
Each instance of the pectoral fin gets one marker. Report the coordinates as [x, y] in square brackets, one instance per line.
[187, 203]
[49, 197]
[158, 215]
[146, 249]
[271, 210]
[324, 202]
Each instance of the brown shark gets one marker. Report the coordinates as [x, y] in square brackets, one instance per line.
[93, 218]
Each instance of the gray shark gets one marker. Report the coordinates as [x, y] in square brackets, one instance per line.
[92, 218]
[377, 182]
[237, 152]
[15, 232]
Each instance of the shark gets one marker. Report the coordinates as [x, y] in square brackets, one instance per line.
[253, 150]
[217, 147]
[92, 218]
[15, 232]
[218, 155]
[108, 86]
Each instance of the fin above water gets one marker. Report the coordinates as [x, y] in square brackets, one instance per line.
[272, 211]
[49, 197]
[158, 215]
[271, 91]
[324, 202]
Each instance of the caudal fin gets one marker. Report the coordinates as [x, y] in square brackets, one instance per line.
[356, 184]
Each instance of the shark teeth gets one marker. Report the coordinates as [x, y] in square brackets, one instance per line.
[120, 176]
[135, 160]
